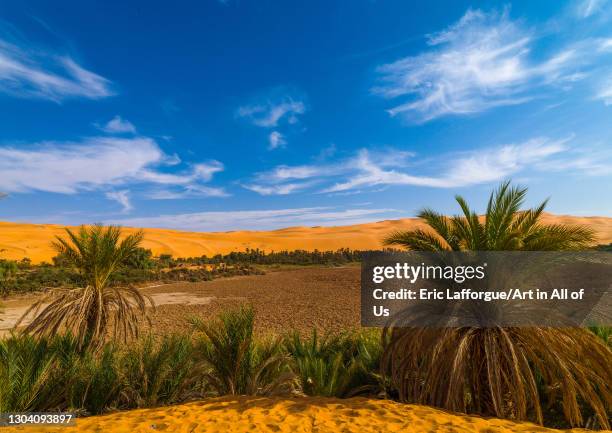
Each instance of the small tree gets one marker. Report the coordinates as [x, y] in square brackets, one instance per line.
[88, 312]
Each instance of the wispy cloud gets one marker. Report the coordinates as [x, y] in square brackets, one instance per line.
[189, 191]
[586, 8]
[259, 219]
[605, 92]
[282, 189]
[482, 61]
[276, 140]
[592, 161]
[478, 167]
[122, 197]
[279, 108]
[96, 163]
[368, 170]
[32, 73]
[118, 125]
[269, 114]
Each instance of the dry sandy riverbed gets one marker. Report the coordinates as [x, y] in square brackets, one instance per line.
[303, 299]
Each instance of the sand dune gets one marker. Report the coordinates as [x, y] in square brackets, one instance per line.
[313, 414]
[18, 240]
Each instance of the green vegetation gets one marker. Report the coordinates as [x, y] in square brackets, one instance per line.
[604, 247]
[156, 373]
[142, 267]
[237, 363]
[89, 312]
[341, 365]
[603, 332]
[505, 228]
[53, 373]
[499, 371]
[297, 257]
[222, 357]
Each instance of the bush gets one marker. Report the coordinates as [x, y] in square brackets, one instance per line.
[92, 383]
[160, 373]
[54, 374]
[337, 366]
[26, 375]
[237, 364]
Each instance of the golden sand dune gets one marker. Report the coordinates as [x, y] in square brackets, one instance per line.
[18, 240]
[314, 414]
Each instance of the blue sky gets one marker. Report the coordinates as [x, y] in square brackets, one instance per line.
[225, 115]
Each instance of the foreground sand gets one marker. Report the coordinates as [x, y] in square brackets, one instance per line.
[313, 414]
[33, 240]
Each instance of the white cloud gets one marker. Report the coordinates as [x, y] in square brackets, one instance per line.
[94, 163]
[276, 140]
[122, 197]
[30, 73]
[502, 162]
[368, 170]
[586, 8]
[190, 191]
[118, 125]
[258, 219]
[605, 44]
[593, 161]
[483, 166]
[278, 109]
[283, 189]
[605, 92]
[284, 172]
[480, 62]
[268, 114]
[198, 172]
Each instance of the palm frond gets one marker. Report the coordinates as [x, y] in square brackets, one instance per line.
[418, 240]
[469, 226]
[555, 237]
[443, 227]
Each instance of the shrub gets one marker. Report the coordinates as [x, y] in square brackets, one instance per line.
[236, 363]
[26, 373]
[336, 366]
[160, 373]
[92, 383]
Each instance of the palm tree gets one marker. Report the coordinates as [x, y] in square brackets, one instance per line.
[495, 370]
[505, 228]
[88, 312]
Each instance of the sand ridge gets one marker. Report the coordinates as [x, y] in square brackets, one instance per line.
[19, 240]
[292, 415]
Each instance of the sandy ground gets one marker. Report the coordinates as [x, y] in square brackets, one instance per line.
[33, 240]
[312, 414]
[303, 299]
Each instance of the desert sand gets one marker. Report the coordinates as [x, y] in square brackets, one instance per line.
[19, 240]
[312, 414]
